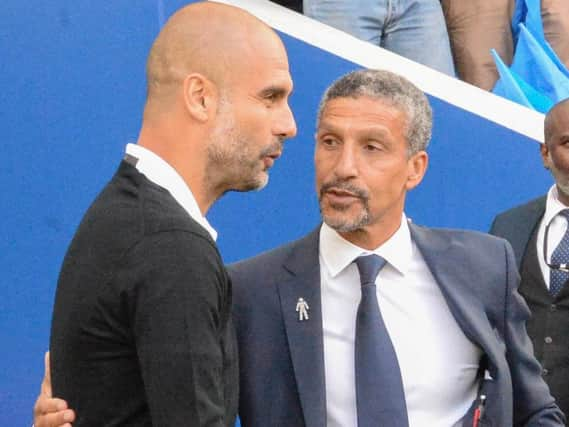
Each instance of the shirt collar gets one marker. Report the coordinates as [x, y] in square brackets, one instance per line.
[161, 173]
[553, 205]
[337, 253]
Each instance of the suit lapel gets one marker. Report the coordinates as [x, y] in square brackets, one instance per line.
[305, 338]
[529, 221]
[526, 224]
[455, 281]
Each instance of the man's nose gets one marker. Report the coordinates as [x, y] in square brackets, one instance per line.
[286, 125]
[346, 164]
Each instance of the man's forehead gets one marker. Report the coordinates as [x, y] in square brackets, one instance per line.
[365, 102]
[563, 111]
[364, 110]
[261, 65]
[261, 42]
[256, 77]
[559, 117]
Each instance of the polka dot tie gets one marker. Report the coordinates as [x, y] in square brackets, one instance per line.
[560, 255]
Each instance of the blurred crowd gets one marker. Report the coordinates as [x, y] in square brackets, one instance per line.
[457, 37]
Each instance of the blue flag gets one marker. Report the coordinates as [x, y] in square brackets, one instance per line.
[513, 87]
[533, 20]
[534, 25]
[506, 86]
[536, 68]
[518, 17]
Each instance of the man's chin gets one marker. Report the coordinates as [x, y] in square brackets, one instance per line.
[261, 183]
[344, 223]
[254, 184]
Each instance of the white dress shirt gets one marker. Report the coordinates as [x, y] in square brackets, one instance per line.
[161, 173]
[438, 363]
[557, 228]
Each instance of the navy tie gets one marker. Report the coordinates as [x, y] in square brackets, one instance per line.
[560, 255]
[380, 397]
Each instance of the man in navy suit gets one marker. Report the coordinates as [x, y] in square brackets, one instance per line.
[447, 300]
[525, 227]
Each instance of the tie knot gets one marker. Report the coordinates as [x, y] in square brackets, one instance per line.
[369, 267]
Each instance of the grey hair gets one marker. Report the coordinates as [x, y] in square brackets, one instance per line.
[393, 89]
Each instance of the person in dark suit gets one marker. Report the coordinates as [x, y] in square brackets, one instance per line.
[371, 320]
[447, 298]
[535, 230]
[141, 332]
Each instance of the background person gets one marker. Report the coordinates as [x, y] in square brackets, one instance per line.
[544, 287]
[414, 29]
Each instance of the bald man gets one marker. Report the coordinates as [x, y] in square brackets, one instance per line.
[536, 231]
[141, 331]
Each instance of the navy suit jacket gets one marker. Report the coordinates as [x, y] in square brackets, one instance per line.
[282, 382]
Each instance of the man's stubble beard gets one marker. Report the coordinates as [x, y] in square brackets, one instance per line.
[561, 180]
[230, 166]
[342, 224]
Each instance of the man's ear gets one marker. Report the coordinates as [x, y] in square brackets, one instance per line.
[416, 168]
[545, 157]
[200, 97]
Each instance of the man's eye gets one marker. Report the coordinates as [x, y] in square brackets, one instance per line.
[329, 141]
[273, 96]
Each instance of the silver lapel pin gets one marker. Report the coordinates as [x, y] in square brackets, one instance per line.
[302, 309]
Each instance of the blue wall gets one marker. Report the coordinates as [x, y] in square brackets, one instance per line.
[71, 96]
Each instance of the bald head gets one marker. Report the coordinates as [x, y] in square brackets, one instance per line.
[555, 150]
[217, 103]
[556, 118]
[208, 38]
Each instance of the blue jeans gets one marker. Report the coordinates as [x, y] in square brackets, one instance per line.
[415, 29]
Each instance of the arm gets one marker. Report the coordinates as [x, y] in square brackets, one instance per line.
[533, 404]
[49, 411]
[177, 299]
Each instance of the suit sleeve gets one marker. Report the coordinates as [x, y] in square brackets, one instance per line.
[175, 302]
[533, 404]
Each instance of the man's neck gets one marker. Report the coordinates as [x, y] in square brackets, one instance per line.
[562, 197]
[186, 155]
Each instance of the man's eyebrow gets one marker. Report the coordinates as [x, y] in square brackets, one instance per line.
[274, 90]
[326, 123]
[323, 127]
